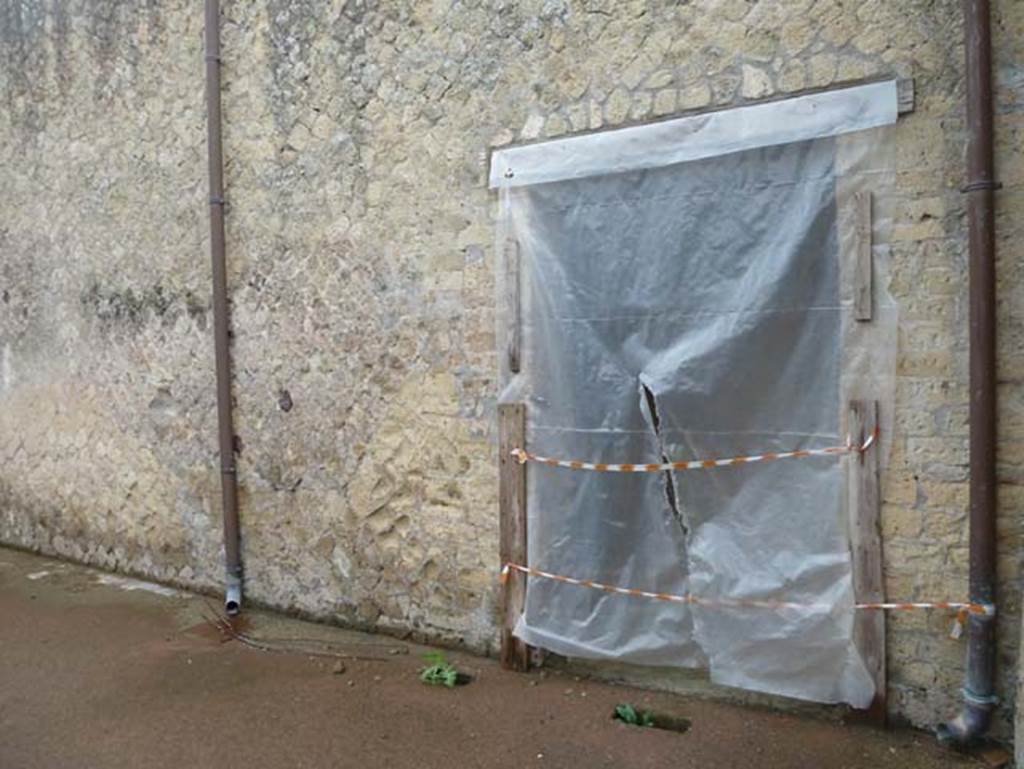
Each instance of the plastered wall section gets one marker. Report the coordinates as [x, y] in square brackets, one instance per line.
[360, 236]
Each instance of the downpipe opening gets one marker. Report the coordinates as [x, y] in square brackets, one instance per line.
[972, 722]
[233, 596]
[969, 725]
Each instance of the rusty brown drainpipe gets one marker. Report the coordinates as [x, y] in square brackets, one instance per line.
[221, 333]
[979, 686]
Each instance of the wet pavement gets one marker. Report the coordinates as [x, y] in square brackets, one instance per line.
[102, 671]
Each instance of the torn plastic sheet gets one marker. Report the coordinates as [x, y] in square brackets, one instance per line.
[696, 309]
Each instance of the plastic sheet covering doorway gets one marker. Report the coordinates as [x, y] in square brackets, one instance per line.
[685, 292]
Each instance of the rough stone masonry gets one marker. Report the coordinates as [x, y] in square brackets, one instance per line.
[360, 234]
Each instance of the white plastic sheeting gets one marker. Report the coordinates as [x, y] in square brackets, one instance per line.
[701, 136]
[686, 291]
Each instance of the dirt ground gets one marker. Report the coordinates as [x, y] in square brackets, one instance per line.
[100, 671]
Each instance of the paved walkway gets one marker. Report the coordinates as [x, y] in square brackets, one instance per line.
[96, 671]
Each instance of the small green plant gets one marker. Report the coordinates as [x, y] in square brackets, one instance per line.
[627, 713]
[439, 671]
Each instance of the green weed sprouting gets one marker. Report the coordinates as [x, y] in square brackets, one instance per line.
[627, 713]
[439, 672]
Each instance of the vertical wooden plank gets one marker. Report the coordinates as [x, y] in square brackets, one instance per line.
[514, 307]
[515, 655]
[866, 549]
[862, 273]
[904, 96]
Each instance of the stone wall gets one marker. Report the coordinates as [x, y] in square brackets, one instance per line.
[360, 269]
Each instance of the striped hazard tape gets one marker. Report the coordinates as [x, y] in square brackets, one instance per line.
[523, 456]
[731, 603]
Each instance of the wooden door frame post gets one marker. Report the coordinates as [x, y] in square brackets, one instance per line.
[515, 654]
[866, 549]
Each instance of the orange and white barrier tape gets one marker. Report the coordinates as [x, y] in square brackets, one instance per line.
[962, 607]
[523, 456]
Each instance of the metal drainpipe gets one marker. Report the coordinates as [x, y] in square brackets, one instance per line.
[979, 687]
[221, 333]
